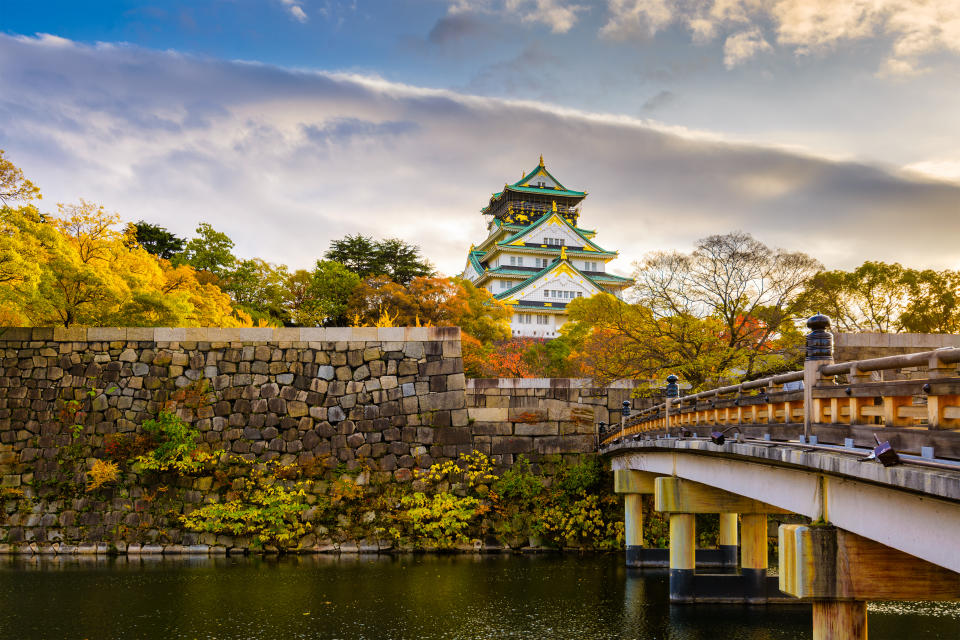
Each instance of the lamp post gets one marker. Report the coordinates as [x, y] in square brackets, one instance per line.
[672, 391]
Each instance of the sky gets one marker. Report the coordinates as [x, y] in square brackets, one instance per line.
[824, 126]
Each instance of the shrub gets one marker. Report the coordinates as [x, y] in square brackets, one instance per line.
[121, 447]
[266, 510]
[103, 472]
[442, 519]
[177, 446]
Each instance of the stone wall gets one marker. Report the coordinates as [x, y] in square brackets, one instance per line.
[390, 399]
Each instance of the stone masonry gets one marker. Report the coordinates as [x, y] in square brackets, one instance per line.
[392, 399]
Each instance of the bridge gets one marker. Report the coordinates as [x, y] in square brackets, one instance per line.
[872, 465]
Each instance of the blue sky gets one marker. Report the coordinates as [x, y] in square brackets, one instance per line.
[340, 117]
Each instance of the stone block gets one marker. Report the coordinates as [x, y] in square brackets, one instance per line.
[536, 429]
[565, 444]
[510, 445]
[492, 428]
[487, 414]
[452, 435]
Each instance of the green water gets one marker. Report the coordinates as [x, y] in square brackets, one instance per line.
[449, 597]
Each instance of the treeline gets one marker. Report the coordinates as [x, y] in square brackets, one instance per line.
[729, 309]
[83, 267]
[734, 308]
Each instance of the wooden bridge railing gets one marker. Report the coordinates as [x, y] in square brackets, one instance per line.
[827, 402]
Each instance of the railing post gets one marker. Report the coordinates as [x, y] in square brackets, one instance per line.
[819, 353]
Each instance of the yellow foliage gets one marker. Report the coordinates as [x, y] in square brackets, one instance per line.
[103, 472]
[78, 269]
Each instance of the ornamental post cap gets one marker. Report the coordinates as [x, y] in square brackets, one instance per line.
[819, 322]
[672, 378]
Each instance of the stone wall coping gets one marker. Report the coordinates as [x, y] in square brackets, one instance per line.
[547, 383]
[922, 341]
[218, 334]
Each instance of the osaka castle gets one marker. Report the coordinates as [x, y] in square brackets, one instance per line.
[536, 258]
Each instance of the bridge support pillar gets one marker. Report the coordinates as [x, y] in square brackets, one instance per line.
[753, 557]
[840, 572]
[633, 484]
[633, 527]
[729, 541]
[683, 539]
[839, 620]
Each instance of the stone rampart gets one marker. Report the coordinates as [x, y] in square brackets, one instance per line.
[389, 400]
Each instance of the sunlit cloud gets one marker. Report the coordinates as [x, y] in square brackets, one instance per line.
[285, 160]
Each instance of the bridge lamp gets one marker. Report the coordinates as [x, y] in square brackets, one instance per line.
[885, 453]
[625, 409]
[602, 426]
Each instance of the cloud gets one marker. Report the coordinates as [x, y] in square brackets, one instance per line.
[743, 46]
[284, 161]
[455, 27]
[559, 15]
[913, 28]
[661, 99]
[295, 10]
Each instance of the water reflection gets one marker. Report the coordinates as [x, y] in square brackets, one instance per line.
[359, 597]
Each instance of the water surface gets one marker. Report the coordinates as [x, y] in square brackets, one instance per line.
[441, 597]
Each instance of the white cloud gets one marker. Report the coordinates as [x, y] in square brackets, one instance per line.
[743, 46]
[914, 28]
[559, 15]
[284, 161]
[293, 6]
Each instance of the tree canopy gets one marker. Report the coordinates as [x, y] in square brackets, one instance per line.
[157, 240]
[14, 187]
[393, 258]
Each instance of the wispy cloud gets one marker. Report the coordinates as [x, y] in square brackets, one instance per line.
[559, 15]
[295, 9]
[284, 161]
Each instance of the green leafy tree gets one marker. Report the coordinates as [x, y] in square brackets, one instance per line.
[259, 288]
[320, 297]
[367, 257]
[210, 251]
[885, 298]
[13, 185]
[158, 240]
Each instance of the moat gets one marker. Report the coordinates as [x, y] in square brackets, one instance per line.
[383, 597]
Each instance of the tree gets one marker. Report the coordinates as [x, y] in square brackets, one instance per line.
[884, 298]
[13, 185]
[259, 288]
[754, 292]
[77, 269]
[320, 297]
[613, 339]
[210, 251]
[392, 258]
[157, 240]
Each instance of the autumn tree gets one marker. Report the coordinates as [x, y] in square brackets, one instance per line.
[78, 269]
[13, 185]
[752, 292]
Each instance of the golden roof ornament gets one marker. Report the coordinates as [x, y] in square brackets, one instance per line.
[541, 159]
[563, 253]
[554, 206]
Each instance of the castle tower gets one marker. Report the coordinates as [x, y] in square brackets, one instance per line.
[536, 258]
